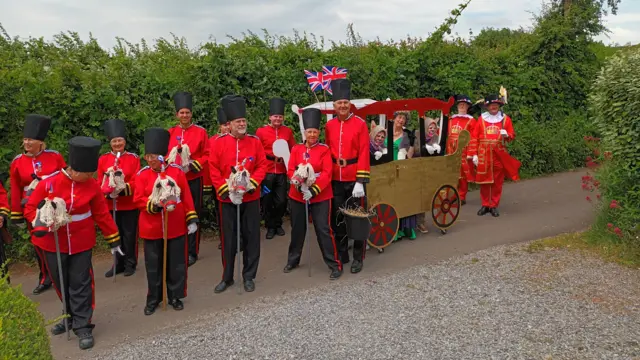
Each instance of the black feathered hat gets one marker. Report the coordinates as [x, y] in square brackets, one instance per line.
[493, 99]
[463, 98]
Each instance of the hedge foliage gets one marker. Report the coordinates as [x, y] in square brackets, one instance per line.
[547, 71]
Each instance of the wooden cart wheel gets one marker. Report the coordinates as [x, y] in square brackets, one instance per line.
[445, 207]
[384, 226]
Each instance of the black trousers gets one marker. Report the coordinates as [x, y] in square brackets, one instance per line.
[275, 202]
[250, 238]
[195, 186]
[176, 268]
[3, 261]
[342, 198]
[43, 276]
[77, 273]
[320, 213]
[127, 221]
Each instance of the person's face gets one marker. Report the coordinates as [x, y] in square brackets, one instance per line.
[432, 129]
[312, 136]
[342, 108]
[117, 144]
[379, 138]
[493, 108]
[238, 127]
[463, 108]
[399, 121]
[276, 120]
[184, 115]
[153, 161]
[224, 128]
[32, 146]
[80, 176]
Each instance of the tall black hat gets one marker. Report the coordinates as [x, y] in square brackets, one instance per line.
[36, 126]
[222, 117]
[234, 107]
[311, 118]
[84, 153]
[156, 141]
[463, 98]
[182, 100]
[493, 99]
[341, 89]
[114, 128]
[276, 106]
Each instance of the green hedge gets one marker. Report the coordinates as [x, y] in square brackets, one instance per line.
[546, 70]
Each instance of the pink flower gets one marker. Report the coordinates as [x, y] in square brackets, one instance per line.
[609, 225]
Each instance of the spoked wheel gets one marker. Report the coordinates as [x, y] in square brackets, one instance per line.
[445, 207]
[384, 226]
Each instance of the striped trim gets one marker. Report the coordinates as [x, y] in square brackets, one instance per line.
[191, 215]
[255, 183]
[112, 238]
[150, 207]
[15, 215]
[4, 211]
[223, 189]
[196, 165]
[127, 190]
[315, 190]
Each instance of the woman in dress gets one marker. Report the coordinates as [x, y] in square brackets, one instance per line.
[401, 146]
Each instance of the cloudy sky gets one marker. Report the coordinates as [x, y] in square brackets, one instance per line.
[200, 20]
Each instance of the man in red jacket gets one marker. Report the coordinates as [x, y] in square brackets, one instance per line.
[84, 204]
[118, 161]
[347, 135]
[181, 220]
[188, 135]
[275, 202]
[457, 123]
[240, 151]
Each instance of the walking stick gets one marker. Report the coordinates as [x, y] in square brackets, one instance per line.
[165, 226]
[115, 256]
[306, 234]
[238, 272]
[62, 288]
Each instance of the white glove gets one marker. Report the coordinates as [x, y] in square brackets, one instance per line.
[358, 190]
[430, 149]
[437, 148]
[377, 155]
[113, 195]
[384, 151]
[118, 250]
[402, 154]
[192, 228]
[236, 198]
[306, 195]
[475, 160]
[503, 132]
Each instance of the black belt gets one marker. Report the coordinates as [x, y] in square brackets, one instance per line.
[345, 162]
[273, 158]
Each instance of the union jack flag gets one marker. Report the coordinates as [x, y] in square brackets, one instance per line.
[322, 80]
[315, 80]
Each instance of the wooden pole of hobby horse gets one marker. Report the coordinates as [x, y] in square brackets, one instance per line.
[238, 253]
[306, 234]
[115, 255]
[165, 230]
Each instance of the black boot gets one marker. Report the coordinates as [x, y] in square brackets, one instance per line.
[288, 268]
[109, 273]
[249, 285]
[177, 304]
[150, 309]
[463, 202]
[58, 328]
[483, 210]
[85, 340]
[335, 273]
[129, 271]
[494, 212]
[40, 289]
[222, 286]
[280, 231]
[192, 259]
[356, 266]
[271, 233]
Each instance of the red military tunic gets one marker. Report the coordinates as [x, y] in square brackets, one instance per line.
[21, 173]
[4, 204]
[86, 205]
[129, 163]
[196, 137]
[268, 135]
[229, 151]
[206, 180]
[457, 123]
[150, 224]
[349, 144]
[319, 156]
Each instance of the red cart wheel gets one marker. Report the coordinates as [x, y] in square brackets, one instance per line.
[445, 207]
[384, 226]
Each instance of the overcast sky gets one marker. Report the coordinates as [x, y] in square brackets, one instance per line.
[199, 20]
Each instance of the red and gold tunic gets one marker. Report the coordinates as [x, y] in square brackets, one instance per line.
[349, 144]
[4, 204]
[319, 156]
[196, 138]
[487, 144]
[457, 123]
[268, 135]
[86, 206]
[129, 163]
[150, 224]
[23, 167]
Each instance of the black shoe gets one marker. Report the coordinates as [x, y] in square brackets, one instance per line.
[58, 328]
[220, 245]
[109, 273]
[249, 285]
[222, 286]
[288, 268]
[150, 309]
[356, 267]
[494, 212]
[177, 304]
[335, 274]
[483, 210]
[463, 202]
[280, 231]
[129, 271]
[271, 233]
[192, 259]
[40, 289]
[86, 340]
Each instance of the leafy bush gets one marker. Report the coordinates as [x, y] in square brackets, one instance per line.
[22, 326]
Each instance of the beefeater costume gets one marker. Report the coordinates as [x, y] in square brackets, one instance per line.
[457, 123]
[76, 206]
[493, 162]
[315, 161]
[5, 237]
[154, 190]
[236, 156]
[348, 140]
[275, 202]
[117, 180]
[25, 172]
[188, 149]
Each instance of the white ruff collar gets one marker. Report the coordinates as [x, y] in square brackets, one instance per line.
[492, 119]
[463, 115]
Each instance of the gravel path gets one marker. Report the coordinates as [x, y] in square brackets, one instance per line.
[500, 303]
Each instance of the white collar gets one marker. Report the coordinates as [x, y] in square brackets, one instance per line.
[492, 119]
[463, 115]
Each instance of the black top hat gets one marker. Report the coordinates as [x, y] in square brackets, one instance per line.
[276, 106]
[463, 98]
[234, 107]
[114, 128]
[341, 89]
[311, 118]
[84, 153]
[222, 117]
[493, 99]
[156, 141]
[36, 126]
[182, 100]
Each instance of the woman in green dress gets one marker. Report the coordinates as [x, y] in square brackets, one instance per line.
[401, 146]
